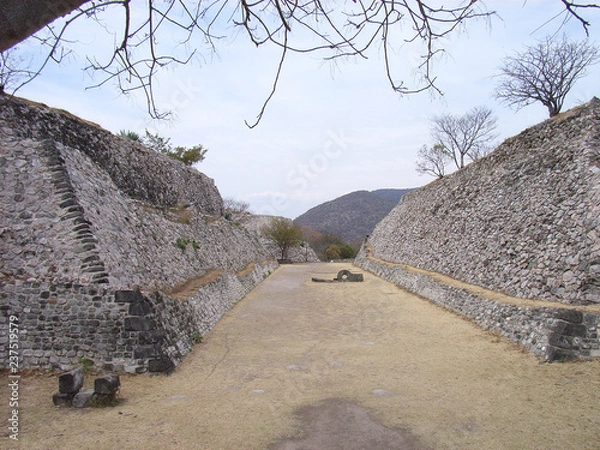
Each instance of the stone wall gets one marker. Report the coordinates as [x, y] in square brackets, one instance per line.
[139, 173]
[550, 333]
[524, 220]
[117, 330]
[87, 215]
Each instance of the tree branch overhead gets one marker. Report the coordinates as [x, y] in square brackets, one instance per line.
[332, 30]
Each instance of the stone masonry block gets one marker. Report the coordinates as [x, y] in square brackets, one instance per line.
[162, 365]
[570, 315]
[82, 399]
[130, 296]
[575, 330]
[101, 400]
[150, 337]
[107, 385]
[140, 308]
[146, 351]
[62, 399]
[138, 324]
[70, 382]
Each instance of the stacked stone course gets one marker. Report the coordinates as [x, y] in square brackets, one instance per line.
[550, 333]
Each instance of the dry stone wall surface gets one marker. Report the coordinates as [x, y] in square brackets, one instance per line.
[88, 217]
[524, 220]
[550, 333]
[140, 173]
[122, 330]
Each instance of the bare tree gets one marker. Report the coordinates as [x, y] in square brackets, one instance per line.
[341, 30]
[545, 73]
[465, 138]
[14, 68]
[432, 160]
[234, 205]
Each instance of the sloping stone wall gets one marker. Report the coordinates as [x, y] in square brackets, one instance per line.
[139, 173]
[86, 215]
[524, 220]
[550, 333]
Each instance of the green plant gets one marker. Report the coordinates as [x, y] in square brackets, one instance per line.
[130, 135]
[188, 156]
[182, 243]
[86, 364]
[197, 338]
[283, 233]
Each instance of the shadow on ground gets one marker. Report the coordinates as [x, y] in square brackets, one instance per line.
[340, 424]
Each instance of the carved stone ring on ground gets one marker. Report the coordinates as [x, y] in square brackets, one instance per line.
[343, 276]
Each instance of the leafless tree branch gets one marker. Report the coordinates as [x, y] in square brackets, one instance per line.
[545, 73]
[466, 137]
[332, 30]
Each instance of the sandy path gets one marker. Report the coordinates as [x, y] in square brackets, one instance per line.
[314, 362]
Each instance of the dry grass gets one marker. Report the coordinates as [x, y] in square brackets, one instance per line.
[191, 286]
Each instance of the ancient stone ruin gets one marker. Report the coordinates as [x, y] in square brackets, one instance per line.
[343, 276]
[523, 221]
[111, 252]
[69, 393]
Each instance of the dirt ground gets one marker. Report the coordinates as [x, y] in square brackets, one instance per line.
[302, 365]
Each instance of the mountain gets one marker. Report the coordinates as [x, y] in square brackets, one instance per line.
[352, 216]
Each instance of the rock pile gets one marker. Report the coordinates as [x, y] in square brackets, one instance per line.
[70, 394]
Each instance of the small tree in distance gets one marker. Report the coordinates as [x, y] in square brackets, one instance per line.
[545, 73]
[130, 135]
[432, 160]
[466, 137]
[284, 234]
[458, 139]
[234, 205]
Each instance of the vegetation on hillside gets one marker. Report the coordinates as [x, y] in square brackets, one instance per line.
[352, 216]
[328, 246]
[188, 156]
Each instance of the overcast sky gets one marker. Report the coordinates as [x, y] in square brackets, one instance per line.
[329, 130]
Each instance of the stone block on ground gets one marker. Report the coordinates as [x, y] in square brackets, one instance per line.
[346, 275]
[107, 385]
[70, 382]
[62, 399]
[82, 398]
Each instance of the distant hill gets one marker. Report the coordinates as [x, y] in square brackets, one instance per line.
[352, 216]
